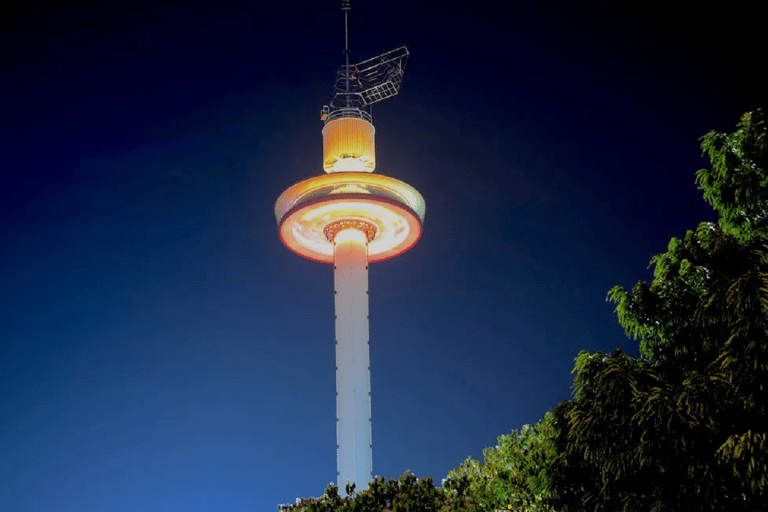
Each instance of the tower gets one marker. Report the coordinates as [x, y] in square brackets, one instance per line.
[352, 217]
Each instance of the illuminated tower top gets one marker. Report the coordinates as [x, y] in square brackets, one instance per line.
[393, 211]
[348, 135]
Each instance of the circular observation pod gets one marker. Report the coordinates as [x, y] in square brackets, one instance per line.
[307, 212]
[348, 145]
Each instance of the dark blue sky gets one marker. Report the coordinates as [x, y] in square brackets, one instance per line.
[160, 350]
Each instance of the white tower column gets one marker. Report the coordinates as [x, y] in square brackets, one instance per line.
[353, 376]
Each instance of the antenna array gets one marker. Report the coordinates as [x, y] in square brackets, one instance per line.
[358, 86]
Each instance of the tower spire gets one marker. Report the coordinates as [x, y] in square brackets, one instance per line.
[345, 7]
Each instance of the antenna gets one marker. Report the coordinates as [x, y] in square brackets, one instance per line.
[345, 7]
[358, 86]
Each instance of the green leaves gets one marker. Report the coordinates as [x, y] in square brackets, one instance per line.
[737, 184]
[513, 474]
[747, 455]
[404, 494]
[684, 426]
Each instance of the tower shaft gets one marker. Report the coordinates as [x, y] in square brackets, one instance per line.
[353, 376]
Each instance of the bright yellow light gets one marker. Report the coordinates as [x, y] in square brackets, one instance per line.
[348, 145]
[349, 189]
[395, 209]
[350, 235]
[397, 226]
[374, 184]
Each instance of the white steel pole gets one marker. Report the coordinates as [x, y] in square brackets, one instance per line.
[353, 376]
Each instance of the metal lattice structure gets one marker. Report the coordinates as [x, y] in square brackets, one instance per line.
[358, 86]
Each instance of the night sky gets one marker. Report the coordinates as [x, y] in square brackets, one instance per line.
[161, 350]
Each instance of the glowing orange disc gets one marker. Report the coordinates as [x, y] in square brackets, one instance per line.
[395, 209]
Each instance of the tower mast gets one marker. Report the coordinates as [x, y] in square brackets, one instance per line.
[345, 7]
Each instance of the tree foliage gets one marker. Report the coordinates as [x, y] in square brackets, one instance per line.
[737, 184]
[405, 494]
[683, 427]
[511, 478]
[512, 475]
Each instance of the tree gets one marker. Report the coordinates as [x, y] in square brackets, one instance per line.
[737, 184]
[405, 494]
[512, 475]
[683, 427]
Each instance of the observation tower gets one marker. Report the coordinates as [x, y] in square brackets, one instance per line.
[351, 217]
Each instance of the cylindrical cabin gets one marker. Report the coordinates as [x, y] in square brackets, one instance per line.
[348, 145]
